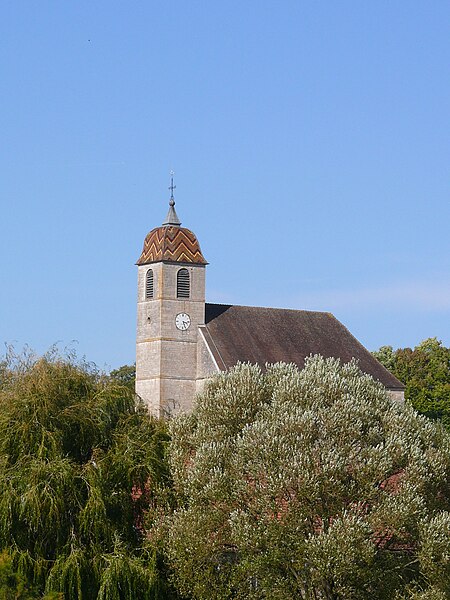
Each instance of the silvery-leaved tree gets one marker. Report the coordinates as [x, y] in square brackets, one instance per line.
[309, 484]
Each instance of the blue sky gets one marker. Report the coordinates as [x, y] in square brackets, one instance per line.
[310, 141]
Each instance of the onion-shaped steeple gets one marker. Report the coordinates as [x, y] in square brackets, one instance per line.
[170, 242]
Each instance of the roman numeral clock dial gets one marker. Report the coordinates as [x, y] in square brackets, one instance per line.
[182, 321]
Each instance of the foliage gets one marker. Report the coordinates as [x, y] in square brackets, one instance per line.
[13, 586]
[426, 373]
[308, 484]
[125, 375]
[81, 463]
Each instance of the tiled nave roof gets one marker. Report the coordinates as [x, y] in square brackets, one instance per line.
[270, 335]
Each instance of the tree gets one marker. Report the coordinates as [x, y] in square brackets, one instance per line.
[386, 356]
[125, 375]
[80, 463]
[14, 587]
[426, 373]
[308, 484]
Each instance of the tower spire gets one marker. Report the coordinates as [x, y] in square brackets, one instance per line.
[172, 217]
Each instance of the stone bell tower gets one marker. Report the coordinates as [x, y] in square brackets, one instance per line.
[170, 309]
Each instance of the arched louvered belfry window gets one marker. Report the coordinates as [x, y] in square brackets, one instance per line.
[183, 284]
[149, 284]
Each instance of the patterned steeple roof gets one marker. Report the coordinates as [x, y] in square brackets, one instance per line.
[173, 244]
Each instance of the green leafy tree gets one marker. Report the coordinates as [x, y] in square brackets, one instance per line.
[125, 375]
[386, 356]
[80, 464]
[308, 484]
[425, 371]
[12, 585]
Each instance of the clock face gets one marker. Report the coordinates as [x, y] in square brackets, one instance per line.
[182, 321]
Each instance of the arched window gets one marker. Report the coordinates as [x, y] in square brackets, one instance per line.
[183, 284]
[149, 284]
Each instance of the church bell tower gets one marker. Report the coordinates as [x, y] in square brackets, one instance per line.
[170, 309]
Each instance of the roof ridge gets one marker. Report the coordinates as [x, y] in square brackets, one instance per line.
[322, 312]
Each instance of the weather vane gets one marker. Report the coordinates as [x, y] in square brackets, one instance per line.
[171, 186]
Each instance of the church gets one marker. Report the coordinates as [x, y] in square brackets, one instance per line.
[183, 340]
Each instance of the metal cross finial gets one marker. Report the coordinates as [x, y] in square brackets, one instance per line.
[171, 186]
[172, 217]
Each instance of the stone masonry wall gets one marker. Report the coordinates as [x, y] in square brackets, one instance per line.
[166, 358]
